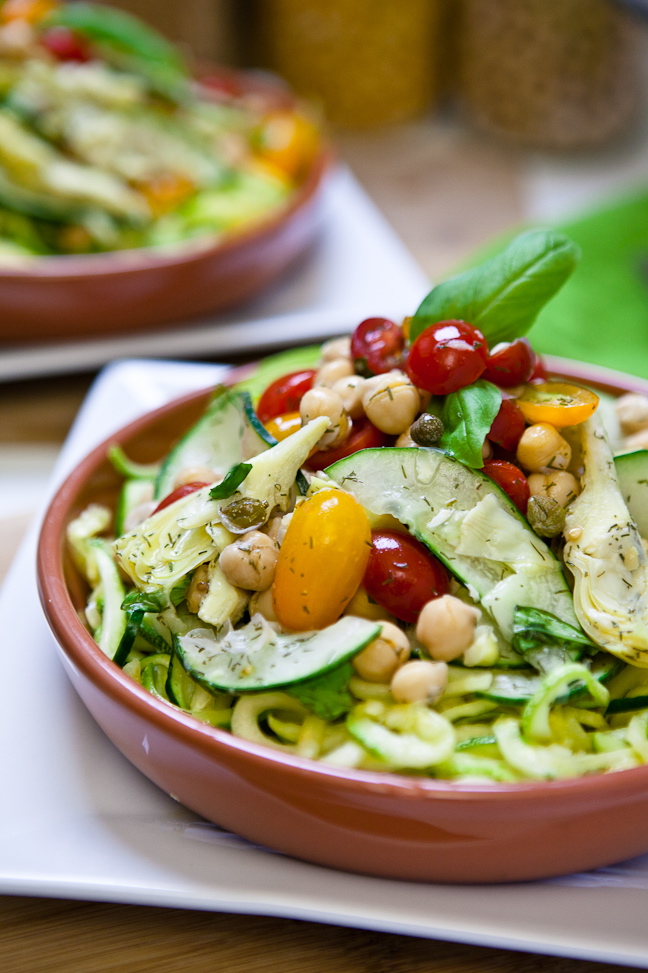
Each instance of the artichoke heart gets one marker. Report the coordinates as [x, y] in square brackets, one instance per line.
[604, 553]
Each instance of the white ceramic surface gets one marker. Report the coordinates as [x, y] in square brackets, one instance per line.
[78, 821]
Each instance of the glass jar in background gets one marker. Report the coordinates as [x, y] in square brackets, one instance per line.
[367, 62]
[558, 74]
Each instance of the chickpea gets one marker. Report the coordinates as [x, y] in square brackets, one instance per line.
[196, 474]
[558, 485]
[638, 440]
[263, 602]
[405, 440]
[419, 681]
[277, 526]
[350, 390]
[542, 449]
[361, 606]
[335, 348]
[632, 410]
[391, 402]
[486, 450]
[198, 587]
[331, 371]
[381, 658]
[446, 627]
[250, 561]
[325, 402]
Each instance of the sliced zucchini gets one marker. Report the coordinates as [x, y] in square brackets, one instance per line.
[257, 657]
[132, 495]
[467, 521]
[632, 470]
[228, 433]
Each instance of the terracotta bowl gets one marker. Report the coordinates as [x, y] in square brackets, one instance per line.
[91, 295]
[380, 824]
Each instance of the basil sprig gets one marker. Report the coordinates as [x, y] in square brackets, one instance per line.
[503, 296]
[467, 416]
[231, 482]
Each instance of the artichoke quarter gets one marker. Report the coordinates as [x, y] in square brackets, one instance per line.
[605, 554]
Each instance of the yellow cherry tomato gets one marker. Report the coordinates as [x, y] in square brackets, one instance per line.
[559, 403]
[288, 141]
[322, 560]
[285, 425]
[29, 10]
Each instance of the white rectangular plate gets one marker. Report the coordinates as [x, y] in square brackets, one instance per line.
[78, 821]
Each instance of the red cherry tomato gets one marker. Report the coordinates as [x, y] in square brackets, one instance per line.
[222, 84]
[377, 346]
[363, 436]
[508, 425]
[402, 575]
[539, 373]
[181, 491]
[285, 394]
[512, 481]
[65, 45]
[510, 364]
[447, 356]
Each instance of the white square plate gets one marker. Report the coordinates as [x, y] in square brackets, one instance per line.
[78, 821]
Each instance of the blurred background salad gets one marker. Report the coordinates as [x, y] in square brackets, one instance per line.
[108, 141]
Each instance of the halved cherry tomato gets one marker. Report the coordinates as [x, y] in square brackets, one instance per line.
[363, 436]
[402, 575]
[512, 481]
[559, 403]
[284, 394]
[66, 45]
[539, 373]
[446, 357]
[283, 426]
[377, 346]
[177, 494]
[322, 560]
[510, 364]
[508, 425]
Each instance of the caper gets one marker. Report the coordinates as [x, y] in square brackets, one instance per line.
[546, 516]
[244, 514]
[426, 430]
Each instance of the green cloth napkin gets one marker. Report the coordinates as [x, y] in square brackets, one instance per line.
[601, 314]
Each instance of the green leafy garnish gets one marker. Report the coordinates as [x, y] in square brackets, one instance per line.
[231, 482]
[135, 605]
[128, 43]
[326, 696]
[541, 638]
[467, 416]
[503, 296]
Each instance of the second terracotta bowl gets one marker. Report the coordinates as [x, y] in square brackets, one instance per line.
[380, 824]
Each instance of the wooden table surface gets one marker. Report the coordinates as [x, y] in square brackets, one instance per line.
[445, 190]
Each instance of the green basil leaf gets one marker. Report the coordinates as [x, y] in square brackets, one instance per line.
[230, 483]
[545, 641]
[326, 696]
[467, 417]
[503, 296]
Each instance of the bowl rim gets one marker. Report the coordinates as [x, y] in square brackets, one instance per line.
[83, 653]
[138, 259]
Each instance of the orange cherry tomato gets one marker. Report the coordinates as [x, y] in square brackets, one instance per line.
[559, 403]
[322, 560]
[29, 10]
[288, 141]
[283, 426]
[165, 192]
